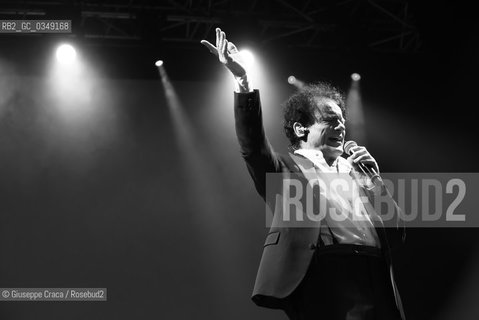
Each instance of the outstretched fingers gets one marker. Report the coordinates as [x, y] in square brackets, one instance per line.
[210, 47]
[226, 53]
[232, 48]
[222, 47]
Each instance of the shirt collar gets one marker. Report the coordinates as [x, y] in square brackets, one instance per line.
[340, 165]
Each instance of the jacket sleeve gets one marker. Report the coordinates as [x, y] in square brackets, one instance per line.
[254, 146]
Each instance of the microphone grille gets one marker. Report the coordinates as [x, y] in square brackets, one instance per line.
[348, 145]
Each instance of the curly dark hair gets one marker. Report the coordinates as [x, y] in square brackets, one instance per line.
[301, 107]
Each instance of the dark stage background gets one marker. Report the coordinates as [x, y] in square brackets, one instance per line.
[156, 205]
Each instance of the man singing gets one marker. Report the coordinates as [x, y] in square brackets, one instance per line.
[333, 268]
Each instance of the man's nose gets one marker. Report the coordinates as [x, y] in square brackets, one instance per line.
[340, 126]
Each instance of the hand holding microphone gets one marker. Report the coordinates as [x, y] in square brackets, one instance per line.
[362, 159]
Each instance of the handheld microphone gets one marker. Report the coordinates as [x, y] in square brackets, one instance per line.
[369, 171]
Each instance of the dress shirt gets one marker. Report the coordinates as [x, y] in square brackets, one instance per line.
[355, 225]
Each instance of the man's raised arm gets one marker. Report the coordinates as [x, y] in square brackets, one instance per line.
[255, 148]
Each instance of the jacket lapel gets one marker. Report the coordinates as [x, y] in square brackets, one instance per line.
[303, 165]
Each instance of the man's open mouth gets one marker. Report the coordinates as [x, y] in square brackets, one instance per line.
[340, 140]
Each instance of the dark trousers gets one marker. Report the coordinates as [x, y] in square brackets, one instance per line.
[347, 284]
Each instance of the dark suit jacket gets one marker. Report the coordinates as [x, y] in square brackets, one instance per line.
[287, 250]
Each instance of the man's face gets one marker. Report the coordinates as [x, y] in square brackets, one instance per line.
[327, 133]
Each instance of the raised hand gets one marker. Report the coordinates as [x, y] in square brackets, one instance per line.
[227, 53]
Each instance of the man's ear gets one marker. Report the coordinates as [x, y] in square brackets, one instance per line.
[299, 130]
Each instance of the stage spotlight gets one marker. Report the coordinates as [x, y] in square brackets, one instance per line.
[292, 80]
[247, 57]
[159, 63]
[66, 53]
[355, 77]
